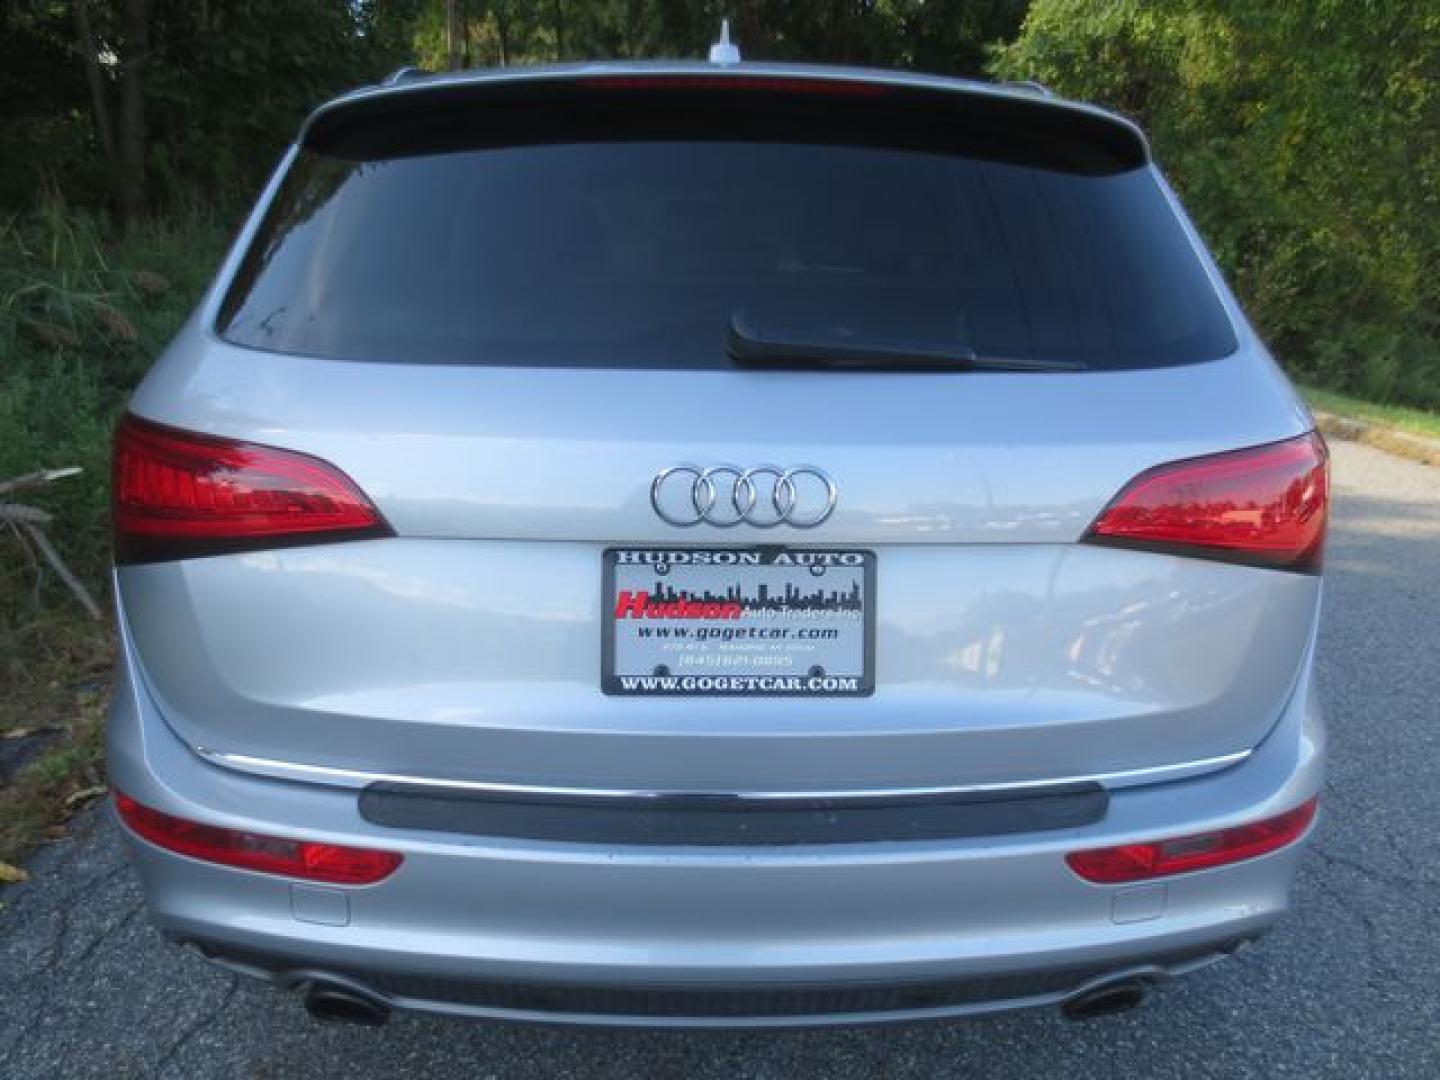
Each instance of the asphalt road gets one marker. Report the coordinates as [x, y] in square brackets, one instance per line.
[1348, 987]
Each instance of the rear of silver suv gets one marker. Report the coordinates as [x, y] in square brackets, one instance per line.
[682, 545]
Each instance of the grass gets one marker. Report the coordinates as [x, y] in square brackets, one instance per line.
[82, 315]
[1414, 421]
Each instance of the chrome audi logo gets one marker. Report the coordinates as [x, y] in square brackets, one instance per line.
[764, 496]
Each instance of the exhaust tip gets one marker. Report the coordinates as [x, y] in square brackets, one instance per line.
[1106, 1000]
[336, 1005]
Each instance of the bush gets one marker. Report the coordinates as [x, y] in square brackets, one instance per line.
[81, 318]
[1305, 139]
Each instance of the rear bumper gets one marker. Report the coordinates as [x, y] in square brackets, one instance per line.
[747, 1005]
[836, 933]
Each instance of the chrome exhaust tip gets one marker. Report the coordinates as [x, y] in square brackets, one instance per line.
[1107, 999]
[334, 1004]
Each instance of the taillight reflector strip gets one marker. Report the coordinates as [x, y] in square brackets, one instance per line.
[1199, 851]
[305, 859]
[178, 493]
[1266, 506]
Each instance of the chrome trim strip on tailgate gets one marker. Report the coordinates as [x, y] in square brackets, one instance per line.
[359, 778]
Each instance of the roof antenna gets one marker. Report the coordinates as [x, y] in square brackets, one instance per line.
[722, 51]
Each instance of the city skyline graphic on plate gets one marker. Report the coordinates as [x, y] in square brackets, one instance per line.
[791, 598]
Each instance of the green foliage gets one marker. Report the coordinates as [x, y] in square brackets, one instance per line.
[948, 36]
[1412, 421]
[43, 121]
[244, 76]
[83, 313]
[82, 316]
[226, 83]
[1305, 140]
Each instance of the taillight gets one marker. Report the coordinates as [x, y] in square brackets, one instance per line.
[1199, 851]
[178, 494]
[1265, 506]
[252, 851]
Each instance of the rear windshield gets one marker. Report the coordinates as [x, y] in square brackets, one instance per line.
[641, 254]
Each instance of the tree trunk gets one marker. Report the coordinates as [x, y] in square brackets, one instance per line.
[130, 141]
[95, 81]
[559, 10]
[502, 33]
[634, 29]
[452, 33]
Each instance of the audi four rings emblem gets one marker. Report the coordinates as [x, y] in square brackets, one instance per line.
[764, 496]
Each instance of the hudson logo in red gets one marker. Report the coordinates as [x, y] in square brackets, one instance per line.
[637, 605]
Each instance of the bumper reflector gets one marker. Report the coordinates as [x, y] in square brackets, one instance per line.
[1199, 851]
[251, 851]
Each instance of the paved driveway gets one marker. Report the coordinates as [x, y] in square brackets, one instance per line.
[1349, 987]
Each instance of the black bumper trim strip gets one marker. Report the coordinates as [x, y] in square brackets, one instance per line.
[732, 820]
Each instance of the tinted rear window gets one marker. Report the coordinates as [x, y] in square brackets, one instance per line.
[638, 254]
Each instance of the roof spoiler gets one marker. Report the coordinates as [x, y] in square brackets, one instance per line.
[1022, 123]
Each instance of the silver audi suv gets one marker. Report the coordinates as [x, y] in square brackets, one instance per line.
[696, 544]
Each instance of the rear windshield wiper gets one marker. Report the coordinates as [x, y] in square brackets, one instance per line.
[749, 346]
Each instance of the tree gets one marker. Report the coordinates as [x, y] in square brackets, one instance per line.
[130, 134]
[1306, 140]
[453, 35]
[114, 61]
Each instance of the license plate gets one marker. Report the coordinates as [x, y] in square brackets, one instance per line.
[747, 622]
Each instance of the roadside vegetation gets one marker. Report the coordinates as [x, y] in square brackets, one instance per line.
[1305, 139]
[1413, 421]
[83, 309]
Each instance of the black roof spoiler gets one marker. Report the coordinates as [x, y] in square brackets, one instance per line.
[412, 105]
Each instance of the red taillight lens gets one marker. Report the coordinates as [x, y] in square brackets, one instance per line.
[1201, 851]
[1266, 506]
[252, 851]
[178, 494]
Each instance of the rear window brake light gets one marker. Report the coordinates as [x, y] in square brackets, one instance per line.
[798, 84]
